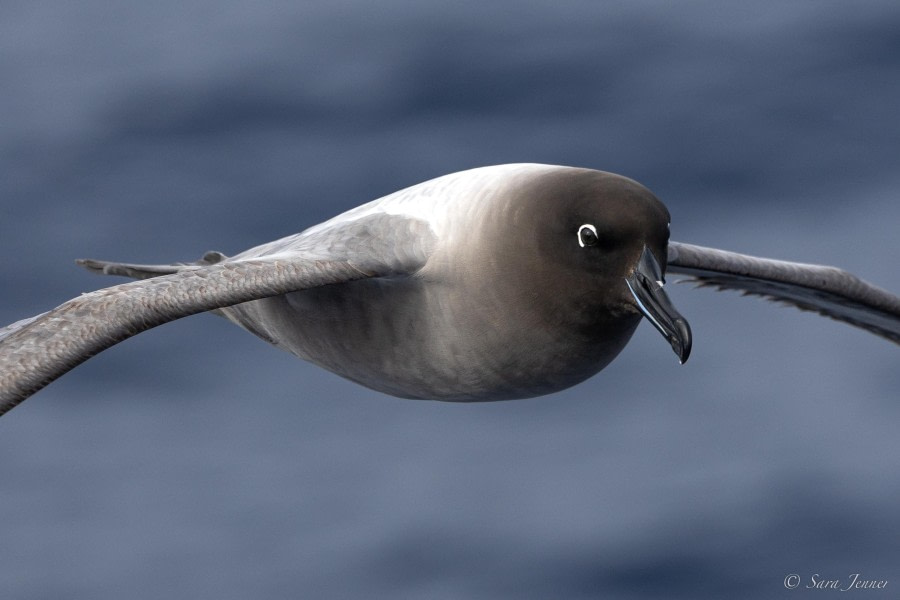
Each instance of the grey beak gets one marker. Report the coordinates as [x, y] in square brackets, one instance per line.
[646, 285]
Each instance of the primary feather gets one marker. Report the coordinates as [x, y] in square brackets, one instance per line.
[829, 291]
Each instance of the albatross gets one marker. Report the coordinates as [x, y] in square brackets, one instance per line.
[495, 283]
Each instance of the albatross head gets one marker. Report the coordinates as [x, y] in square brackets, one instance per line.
[601, 253]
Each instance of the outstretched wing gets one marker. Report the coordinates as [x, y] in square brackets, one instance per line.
[826, 290]
[35, 351]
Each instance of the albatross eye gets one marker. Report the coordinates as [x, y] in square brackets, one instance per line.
[587, 235]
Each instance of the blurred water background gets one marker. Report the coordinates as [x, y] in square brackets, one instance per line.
[195, 461]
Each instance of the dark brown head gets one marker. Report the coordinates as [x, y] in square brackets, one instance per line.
[589, 248]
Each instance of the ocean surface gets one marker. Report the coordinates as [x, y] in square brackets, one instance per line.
[194, 461]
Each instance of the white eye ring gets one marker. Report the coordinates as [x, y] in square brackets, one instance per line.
[588, 227]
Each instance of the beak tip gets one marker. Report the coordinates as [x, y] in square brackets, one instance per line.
[682, 341]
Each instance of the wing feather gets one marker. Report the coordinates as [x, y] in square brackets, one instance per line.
[828, 291]
[35, 351]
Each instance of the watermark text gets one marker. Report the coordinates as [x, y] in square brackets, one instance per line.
[854, 581]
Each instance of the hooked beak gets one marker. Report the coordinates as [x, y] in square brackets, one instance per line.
[646, 285]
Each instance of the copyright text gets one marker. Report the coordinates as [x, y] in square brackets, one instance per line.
[854, 581]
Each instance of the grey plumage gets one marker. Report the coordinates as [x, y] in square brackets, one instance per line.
[496, 283]
[53, 343]
[829, 291]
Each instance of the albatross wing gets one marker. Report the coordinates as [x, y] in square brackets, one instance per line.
[37, 350]
[826, 290]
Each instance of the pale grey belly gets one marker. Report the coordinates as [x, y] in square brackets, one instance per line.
[415, 340]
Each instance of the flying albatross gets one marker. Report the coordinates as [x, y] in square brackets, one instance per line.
[496, 283]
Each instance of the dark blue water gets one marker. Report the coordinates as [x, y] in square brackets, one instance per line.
[194, 461]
